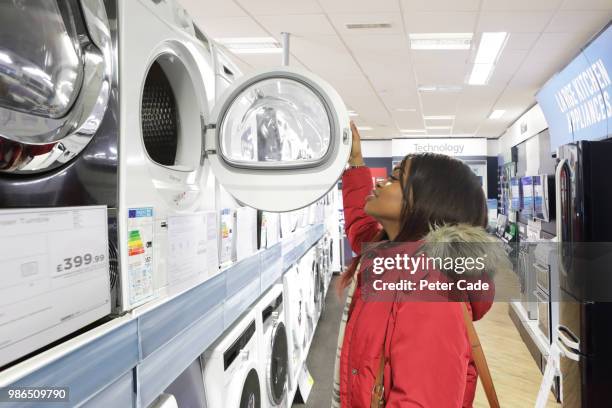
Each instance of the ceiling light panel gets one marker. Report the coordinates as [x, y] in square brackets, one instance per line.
[367, 26]
[490, 47]
[412, 130]
[480, 74]
[251, 45]
[497, 113]
[438, 127]
[440, 41]
[440, 88]
[439, 117]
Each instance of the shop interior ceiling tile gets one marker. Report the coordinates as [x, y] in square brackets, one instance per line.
[408, 120]
[280, 7]
[376, 72]
[520, 5]
[574, 21]
[439, 103]
[508, 64]
[359, 6]
[341, 20]
[440, 21]
[226, 27]
[521, 41]
[205, 10]
[298, 25]
[440, 5]
[401, 97]
[441, 68]
[587, 5]
[325, 55]
[550, 54]
[514, 21]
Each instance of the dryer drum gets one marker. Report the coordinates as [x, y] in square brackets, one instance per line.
[159, 117]
[251, 398]
[278, 364]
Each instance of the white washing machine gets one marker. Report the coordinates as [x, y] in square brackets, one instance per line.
[295, 318]
[232, 373]
[307, 271]
[274, 343]
[226, 72]
[167, 80]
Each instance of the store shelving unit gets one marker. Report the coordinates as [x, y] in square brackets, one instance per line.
[130, 360]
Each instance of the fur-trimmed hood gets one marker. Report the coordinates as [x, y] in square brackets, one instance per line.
[466, 241]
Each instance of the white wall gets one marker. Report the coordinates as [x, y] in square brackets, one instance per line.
[528, 125]
[492, 147]
[376, 148]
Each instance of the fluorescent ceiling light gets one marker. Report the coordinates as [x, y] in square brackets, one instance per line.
[438, 127]
[251, 45]
[497, 113]
[440, 88]
[439, 117]
[367, 26]
[352, 113]
[480, 74]
[405, 109]
[490, 47]
[412, 130]
[440, 41]
[364, 128]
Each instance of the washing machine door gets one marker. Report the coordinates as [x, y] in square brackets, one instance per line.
[278, 364]
[281, 139]
[55, 73]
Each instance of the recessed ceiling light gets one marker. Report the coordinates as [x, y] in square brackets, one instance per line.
[480, 74]
[352, 113]
[440, 88]
[489, 49]
[439, 117]
[497, 113]
[405, 109]
[440, 41]
[367, 26]
[412, 130]
[364, 128]
[251, 45]
[438, 127]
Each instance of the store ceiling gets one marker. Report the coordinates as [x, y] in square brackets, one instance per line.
[378, 74]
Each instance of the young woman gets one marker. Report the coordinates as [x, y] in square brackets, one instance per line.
[429, 199]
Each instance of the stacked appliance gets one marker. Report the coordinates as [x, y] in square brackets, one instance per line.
[274, 342]
[526, 273]
[232, 367]
[295, 318]
[584, 230]
[58, 169]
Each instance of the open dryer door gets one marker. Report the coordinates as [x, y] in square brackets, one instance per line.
[281, 139]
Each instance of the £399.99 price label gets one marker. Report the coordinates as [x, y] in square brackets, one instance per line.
[78, 261]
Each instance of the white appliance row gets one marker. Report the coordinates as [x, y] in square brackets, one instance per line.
[124, 113]
[258, 361]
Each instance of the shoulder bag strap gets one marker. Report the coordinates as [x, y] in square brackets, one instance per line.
[479, 359]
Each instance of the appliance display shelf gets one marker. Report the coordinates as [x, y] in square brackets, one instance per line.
[131, 359]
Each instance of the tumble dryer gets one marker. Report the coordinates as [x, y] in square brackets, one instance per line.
[165, 75]
[295, 318]
[232, 374]
[274, 343]
[58, 169]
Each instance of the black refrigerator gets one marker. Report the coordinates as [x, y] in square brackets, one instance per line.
[584, 228]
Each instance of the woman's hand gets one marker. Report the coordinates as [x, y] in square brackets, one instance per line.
[356, 158]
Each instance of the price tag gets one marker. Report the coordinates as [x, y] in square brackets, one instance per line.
[305, 382]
